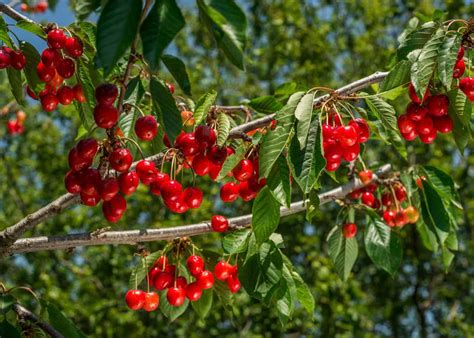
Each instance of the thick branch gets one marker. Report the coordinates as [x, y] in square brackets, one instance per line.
[17, 16]
[26, 314]
[135, 236]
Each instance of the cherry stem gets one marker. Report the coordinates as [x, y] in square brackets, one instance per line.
[395, 197]
[137, 108]
[136, 145]
[147, 276]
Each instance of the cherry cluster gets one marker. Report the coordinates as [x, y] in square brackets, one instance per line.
[12, 58]
[39, 7]
[15, 126]
[55, 67]
[466, 84]
[164, 276]
[342, 141]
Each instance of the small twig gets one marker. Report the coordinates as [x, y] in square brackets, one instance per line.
[26, 314]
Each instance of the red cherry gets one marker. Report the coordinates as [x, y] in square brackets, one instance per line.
[128, 182]
[55, 82]
[206, 136]
[45, 74]
[387, 199]
[222, 270]
[372, 187]
[17, 59]
[459, 69]
[49, 102]
[363, 131]
[176, 204]
[176, 296]
[201, 165]
[161, 262]
[79, 93]
[205, 280]
[73, 47]
[389, 217]
[66, 68]
[90, 181]
[467, 86]
[217, 155]
[328, 131]
[56, 38]
[333, 153]
[114, 209]
[219, 223]
[188, 144]
[401, 218]
[233, 283]
[181, 282]
[171, 190]
[349, 154]
[151, 301]
[30, 92]
[146, 128]
[412, 214]
[414, 97]
[50, 57]
[415, 112]
[347, 135]
[243, 171]
[438, 105]
[349, 230]
[135, 299]
[193, 292]
[229, 192]
[120, 159]
[42, 6]
[245, 192]
[195, 265]
[72, 182]
[106, 94]
[400, 193]
[146, 171]
[443, 124]
[87, 148]
[90, 200]
[76, 161]
[428, 138]
[24, 7]
[108, 188]
[356, 194]
[405, 124]
[163, 280]
[366, 176]
[105, 116]
[4, 58]
[65, 95]
[425, 126]
[368, 199]
[193, 197]
[460, 53]
[410, 136]
[332, 165]
[155, 186]
[170, 87]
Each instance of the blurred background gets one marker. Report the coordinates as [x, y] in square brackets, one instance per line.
[308, 42]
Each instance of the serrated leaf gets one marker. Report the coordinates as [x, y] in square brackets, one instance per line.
[61, 323]
[448, 52]
[117, 27]
[160, 27]
[442, 182]
[460, 110]
[141, 270]
[32, 60]
[169, 113]
[236, 242]
[434, 212]
[177, 68]
[4, 37]
[204, 304]
[274, 141]
[172, 312]
[228, 25]
[278, 181]
[86, 109]
[384, 111]
[16, 85]
[423, 68]
[383, 246]
[223, 128]
[31, 27]
[203, 105]
[303, 113]
[416, 39]
[398, 76]
[305, 297]
[343, 252]
[265, 104]
[265, 215]
[312, 205]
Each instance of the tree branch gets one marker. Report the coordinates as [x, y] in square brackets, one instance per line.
[133, 237]
[26, 314]
[17, 16]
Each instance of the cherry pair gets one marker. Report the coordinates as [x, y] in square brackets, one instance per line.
[12, 58]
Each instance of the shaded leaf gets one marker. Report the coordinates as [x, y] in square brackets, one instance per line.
[8, 330]
[61, 323]
[177, 68]
[4, 37]
[236, 241]
[343, 252]
[31, 27]
[265, 104]
[398, 76]
[265, 215]
[231, 162]
[305, 297]
[32, 60]
[303, 113]
[169, 113]
[448, 52]
[434, 212]
[278, 181]
[204, 304]
[416, 39]
[16, 85]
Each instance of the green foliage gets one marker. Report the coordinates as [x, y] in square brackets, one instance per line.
[166, 106]
[343, 251]
[265, 215]
[178, 69]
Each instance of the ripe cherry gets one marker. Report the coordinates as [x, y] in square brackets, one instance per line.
[366, 176]
[146, 171]
[438, 105]
[56, 38]
[425, 125]
[72, 182]
[87, 148]
[45, 74]
[4, 58]
[170, 87]
[349, 154]
[171, 190]
[405, 124]
[201, 165]
[467, 86]
[419, 182]
[106, 93]
[368, 199]
[155, 186]
[347, 135]
[415, 112]
[400, 193]
[188, 144]
[120, 159]
[161, 262]
[49, 102]
[146, 128]
[243, 171]
[222, 270]
[128, 182]
[177, 204]
[387, 199]
[105, 116]
[414, 97]
[219, 223]
[66, 68]
[193, 197]
[443, 124]
[193, 291]
[176, 296]
[363, 131]
[410, 136]
[151, 301]
[401, 218]
[17, 59]
[73, 47]
[206, 136]
[90, 200]
[389, 217]
[108, 188]
[428, 138]
[163, 280]
[76, 161]
[205, 280]
[135, 299]
[195, 265]
[50, 57]
[412, 214]
[460, 53]
[349, 230]
[90, 181]
[79, 93]
[65, 95]
[229, 192]
[332, 165]
[245, 192]
[233, 283]
[459, 69]
[115, 208]
[333, 153]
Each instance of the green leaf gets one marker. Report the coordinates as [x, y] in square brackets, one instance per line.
[172, 312]
[203, 105]
[265, 104]
[223, 128]
[133, 94]
[4, 37]
[284, 308]
[177, 68]
[32, 60]
[86, 109]
[305, 297]
[116, 29]
[31, 27]
[203, 305]
[228, 25]
[278, 181]
[236, 242]
[303, 113]
[265, 215]
[343, 252]
[141, 270]
[416, 39]
[434, 212]
[312, 205]
[427, 235]
[275, 140]
[61, 323]
[16, 85]
[231, 162]
[442, 182]
[8, 330]
[423, 68]
[162, 24]
[448, 52]
[383, 246]
[6, 302]
[398, 76]
[460, 110]
[169, 113]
